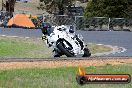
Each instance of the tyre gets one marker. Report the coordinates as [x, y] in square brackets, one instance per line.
[64, 50]
[57, 53]
[80, 80]
[87, 52]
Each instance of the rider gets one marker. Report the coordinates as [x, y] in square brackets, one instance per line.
[46, 28]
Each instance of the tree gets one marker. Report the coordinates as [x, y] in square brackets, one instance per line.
[55, 5]
[109, 8]
[10, 4]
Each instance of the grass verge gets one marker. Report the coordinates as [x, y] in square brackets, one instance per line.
[58, 77]
[34, 48]
[23, 48]
[94, 48]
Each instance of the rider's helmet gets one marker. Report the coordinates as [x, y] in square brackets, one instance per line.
[46, 28]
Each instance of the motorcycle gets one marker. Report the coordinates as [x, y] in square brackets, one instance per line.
[64, 41]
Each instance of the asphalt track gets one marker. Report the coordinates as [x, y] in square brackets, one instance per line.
[114, 38]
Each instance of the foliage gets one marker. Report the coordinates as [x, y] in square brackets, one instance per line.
[109, 8]
[54, 5]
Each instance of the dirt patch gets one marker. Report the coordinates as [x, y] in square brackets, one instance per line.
[64, 63]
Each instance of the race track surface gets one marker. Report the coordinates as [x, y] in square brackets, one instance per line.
[114, 38]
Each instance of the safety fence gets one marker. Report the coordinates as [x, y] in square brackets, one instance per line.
[79, 22]
[94, 23]
[4, 17]
[62, 20]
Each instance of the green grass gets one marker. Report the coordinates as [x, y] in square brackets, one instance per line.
[12, 48]
[34, 48]
[58, 77]
[23, 48]
[94, 48]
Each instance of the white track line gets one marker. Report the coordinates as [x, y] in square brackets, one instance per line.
[115, 49]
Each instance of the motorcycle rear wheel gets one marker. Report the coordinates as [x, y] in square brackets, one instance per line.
[87, 52]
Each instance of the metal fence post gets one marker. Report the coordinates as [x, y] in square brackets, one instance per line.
[109, 24]
[43, 18]
[75, 23]
[13, 18]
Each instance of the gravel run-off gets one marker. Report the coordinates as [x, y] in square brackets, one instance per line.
[65, 63]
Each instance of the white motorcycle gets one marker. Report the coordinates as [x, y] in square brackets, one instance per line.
[64, 41]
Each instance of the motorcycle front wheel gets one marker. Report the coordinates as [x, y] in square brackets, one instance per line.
[87, 52]
[64, 50]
